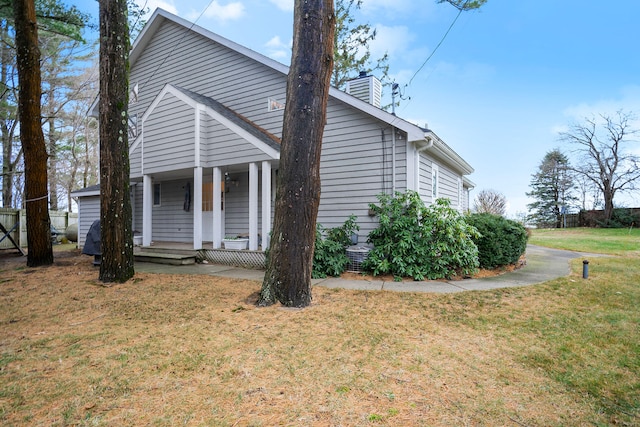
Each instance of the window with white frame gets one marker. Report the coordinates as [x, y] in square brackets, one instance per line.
[460, 195]
[435, 178]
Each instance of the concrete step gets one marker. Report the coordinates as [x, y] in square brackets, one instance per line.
[165, 258]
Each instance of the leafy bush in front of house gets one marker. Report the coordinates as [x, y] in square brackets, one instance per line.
[418, 241]
[330, 257]
[501, 241]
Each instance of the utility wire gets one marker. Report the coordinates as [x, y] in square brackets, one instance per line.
[439, 43]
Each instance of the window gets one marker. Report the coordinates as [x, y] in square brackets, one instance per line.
[274, 105]
[207, 196]
[435, 177]
[156, 194]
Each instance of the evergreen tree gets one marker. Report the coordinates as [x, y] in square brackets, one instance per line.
[551, 187]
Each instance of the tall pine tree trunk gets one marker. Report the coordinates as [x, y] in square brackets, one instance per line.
[288, 275]
[115, 205]
[31, 135]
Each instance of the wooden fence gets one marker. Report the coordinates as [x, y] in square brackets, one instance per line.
[10, 217]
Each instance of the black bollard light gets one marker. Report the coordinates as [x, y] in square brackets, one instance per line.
[585, 269]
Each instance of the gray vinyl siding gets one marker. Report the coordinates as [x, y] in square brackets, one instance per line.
[170, 222]
[236, 209]
[222, 147]
[169, 135]
[135, 162]
[210, 69]
[137, 207]
[425, 179]
[88, 212]
[356, 166]
[448, 185]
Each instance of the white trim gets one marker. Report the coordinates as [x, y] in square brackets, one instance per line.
[253, 206]
[270, 151]
[266, 204]
[217, 208]
[147, 209]
[197, 208]
[196, 151]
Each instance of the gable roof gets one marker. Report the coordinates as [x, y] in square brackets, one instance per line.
[421, 137]
[235, 122]
[234, 117]
[414, 133]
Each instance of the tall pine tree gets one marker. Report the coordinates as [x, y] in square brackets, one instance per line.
[551, 187]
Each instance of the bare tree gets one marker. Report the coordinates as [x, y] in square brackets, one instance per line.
[31, 135]
[490, 201]
[115, 205]
[604, 155]
[288, 275]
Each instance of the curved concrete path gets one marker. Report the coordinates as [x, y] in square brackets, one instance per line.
[543, 264]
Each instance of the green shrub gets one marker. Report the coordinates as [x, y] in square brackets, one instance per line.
[330, 257]
[413, 240]
[620, 218]
[501, 241]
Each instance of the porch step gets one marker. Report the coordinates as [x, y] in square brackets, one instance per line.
[166, 258]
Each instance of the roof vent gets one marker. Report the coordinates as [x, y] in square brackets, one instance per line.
[366, 88]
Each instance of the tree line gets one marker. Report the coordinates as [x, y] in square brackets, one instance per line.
[604, 167]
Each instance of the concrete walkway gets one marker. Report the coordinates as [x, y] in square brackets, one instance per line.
[543, 264]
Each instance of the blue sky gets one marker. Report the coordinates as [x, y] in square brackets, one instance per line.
[501, 86]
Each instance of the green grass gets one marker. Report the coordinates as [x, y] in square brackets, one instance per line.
[171, 350]
[611, 241]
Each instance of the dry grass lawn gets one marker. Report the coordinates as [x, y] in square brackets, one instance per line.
[170, 350]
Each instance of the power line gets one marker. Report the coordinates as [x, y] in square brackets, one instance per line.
[438, 45]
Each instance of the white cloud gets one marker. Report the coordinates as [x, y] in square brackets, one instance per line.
[227, 12]
[152, 5]
[286, 5]
[398, 6]
[628, 100]
[392, 40]
[277, 49]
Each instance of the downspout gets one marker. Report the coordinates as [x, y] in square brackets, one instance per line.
[426, 147]
[393, 160]
[418, 151]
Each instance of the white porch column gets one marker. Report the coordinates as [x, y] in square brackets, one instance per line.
[147, 208]
[266, 204]
[197, 208]
[253, 206]
[217, 208]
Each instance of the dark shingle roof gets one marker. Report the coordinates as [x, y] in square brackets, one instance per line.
[238, 119]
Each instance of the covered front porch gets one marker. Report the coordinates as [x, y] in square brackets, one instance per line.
[203, 207]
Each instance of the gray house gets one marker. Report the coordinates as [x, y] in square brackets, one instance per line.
[206, 120]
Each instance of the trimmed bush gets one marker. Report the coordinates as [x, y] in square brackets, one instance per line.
[501, 241]
[413, 240]
[329, 256]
